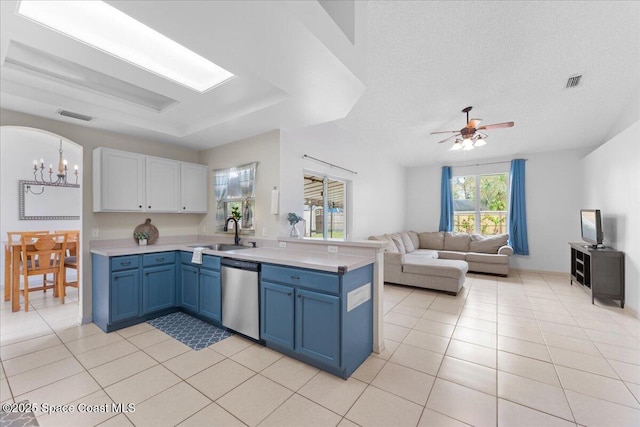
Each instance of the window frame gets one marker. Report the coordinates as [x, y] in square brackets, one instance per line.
[478, 212]
[325, 204]
[225, 201]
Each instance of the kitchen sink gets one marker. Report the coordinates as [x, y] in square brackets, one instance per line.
[221, 247]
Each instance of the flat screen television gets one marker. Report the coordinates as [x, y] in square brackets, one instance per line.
[591, 223]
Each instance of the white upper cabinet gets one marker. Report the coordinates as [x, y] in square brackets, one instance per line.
[162, 185]
[130, 182]
[193, 188]
[118, 181]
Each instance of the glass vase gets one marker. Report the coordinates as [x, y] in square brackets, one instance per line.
[294, 231]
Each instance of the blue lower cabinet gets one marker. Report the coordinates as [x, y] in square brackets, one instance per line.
[318, 326]
[276, 312]
[189, 290]
[324, 319]
[124, 295]
[158, 288]
[210, 295]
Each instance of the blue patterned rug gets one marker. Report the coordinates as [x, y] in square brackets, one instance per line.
[190, 331]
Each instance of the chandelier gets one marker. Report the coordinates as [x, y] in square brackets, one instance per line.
[61, 176]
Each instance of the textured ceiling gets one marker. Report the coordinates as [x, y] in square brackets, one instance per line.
[414, 66]
[427, 60]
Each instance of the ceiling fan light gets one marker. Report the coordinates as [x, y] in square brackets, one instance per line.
[480, 142]
[466, 143]
[456, 145]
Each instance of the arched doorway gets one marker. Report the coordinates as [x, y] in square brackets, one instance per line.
[19, 148]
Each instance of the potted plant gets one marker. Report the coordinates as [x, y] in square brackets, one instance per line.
[141, 237]
[293, 219]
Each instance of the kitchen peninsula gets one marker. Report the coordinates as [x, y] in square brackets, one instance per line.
[319, 307]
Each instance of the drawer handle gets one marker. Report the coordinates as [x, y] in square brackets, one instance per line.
[299, 296]
[125, 263]
[295, 277]
[289, 294]
[115, 277]
[159, 259]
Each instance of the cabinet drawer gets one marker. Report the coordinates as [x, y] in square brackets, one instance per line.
[325, 282]
[208, 261]
[158, 258]
[125, 262]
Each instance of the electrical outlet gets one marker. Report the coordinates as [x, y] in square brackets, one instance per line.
[283, 244]
[332, 249]
[264, 231]
[95, 232]
[204, 229]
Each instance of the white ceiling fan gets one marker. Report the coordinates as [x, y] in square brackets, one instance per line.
[470, 136]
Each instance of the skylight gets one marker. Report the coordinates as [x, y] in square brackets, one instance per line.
[110, 30]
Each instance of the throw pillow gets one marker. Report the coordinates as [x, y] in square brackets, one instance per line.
[432, 240]
[397, 239]
[408, 244]
[414, 239]
[390, 247]
[487, 244]
[456, 241]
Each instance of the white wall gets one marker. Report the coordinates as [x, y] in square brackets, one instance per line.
[553, 187]
[265, 149]
[611, 183]
[19, 147]
[378, 197]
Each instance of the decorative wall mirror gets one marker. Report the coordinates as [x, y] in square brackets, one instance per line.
[41, 201]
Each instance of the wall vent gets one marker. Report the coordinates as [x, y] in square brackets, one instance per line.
[574, 81]
[74, 115]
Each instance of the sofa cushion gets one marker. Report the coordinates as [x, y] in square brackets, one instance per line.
[406, 240]
[438, 267]
[452, 255]
[456, 241]
[487, 258]
[431, 240]
[414, 239]
[390, 247]
[487, 244]
[397, 239]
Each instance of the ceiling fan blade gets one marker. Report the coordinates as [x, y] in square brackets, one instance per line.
[497, 126]
[446, 131]
[448, 138]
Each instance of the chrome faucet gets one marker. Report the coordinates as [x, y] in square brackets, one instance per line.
[236, 239]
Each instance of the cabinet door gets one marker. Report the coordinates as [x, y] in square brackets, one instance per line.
[162, 178]
[125, 295]
[276, 314]
[210, 300]
[193, 188]
[189, 287]
[118, 181]
[318, 326]
[158, 288]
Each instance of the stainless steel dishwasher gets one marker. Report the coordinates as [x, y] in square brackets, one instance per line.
[240, 296]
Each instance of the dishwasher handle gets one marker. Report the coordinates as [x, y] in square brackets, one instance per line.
[240, 264]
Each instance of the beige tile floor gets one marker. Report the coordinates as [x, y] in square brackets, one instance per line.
[527, 350]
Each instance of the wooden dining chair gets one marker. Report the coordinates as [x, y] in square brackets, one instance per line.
[42, 254]
[71, 259]
[14, 236]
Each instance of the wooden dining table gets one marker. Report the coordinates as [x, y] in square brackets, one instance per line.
[12, 270]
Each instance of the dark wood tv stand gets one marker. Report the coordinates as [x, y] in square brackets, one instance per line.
[600, 269]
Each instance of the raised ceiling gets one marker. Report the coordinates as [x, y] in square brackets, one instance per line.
[294, 67]
[403, 70]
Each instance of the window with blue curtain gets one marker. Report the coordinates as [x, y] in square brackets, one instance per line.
[517, 219]
[446, 201]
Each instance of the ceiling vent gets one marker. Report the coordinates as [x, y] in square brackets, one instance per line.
[574, 81]
[74, 115]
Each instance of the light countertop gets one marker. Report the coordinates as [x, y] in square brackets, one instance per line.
[332, 262]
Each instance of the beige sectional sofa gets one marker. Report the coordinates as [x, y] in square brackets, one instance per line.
[439, 260]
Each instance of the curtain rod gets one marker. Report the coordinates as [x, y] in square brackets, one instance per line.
[330, 164]
[489, 163]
